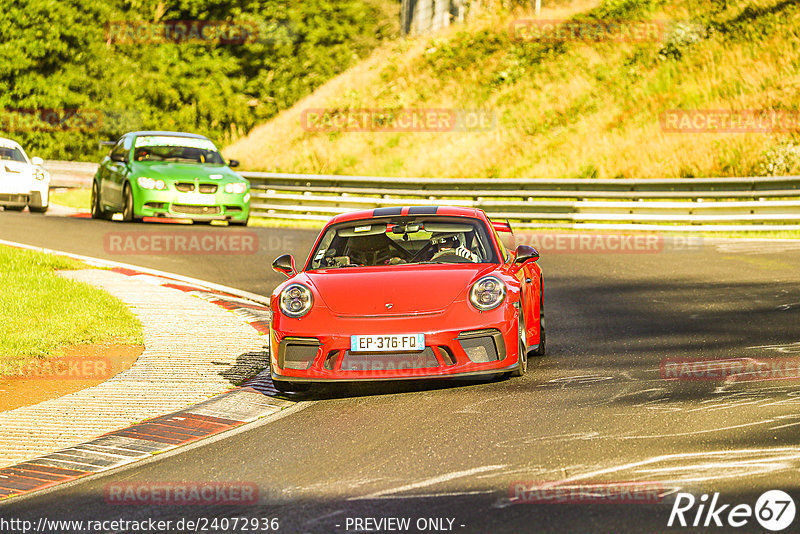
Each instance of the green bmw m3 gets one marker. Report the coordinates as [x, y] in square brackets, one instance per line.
[169, 174]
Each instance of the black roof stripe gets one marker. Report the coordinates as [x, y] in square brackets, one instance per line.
[423, 210]
[382, 212]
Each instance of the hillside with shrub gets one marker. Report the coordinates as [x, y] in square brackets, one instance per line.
[562, 108]
[66, 82]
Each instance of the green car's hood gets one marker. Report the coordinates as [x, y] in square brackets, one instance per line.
[185, 171]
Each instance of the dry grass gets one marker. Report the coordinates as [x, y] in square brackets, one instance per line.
[587, 110]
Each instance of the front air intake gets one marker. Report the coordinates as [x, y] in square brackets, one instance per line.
[297, 352]
[483, 346]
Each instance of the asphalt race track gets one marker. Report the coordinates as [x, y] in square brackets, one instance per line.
[595, 410]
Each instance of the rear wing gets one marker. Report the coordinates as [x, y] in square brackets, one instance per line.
[504, 226]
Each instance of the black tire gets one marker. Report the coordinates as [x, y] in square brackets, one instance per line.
[522, 360]
[95, 204]
[239, 223]
[35, 203]
[14, 208]
[128, 210]
[542, 348]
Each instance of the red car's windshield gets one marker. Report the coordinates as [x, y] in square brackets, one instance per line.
[407, 240]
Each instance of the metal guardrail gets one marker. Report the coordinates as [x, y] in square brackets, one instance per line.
[70, 173]
[683, 204]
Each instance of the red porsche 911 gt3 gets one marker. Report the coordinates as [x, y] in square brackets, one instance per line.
[403, 293]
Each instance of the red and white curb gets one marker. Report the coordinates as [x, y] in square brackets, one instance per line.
[254, 399]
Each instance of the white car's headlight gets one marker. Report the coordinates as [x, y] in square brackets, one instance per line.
[236, 188]
[295, 300]
[148, 183]
[39, 174]
[487, 293]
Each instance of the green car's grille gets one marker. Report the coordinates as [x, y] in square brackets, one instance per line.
[185, 187]
[195, 210]
[188, 187]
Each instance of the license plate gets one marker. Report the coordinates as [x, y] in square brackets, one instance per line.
[192, 198]
[390, 343]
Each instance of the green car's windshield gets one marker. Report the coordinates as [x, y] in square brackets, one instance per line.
[176, 149]
[11, 154]
[410, 240]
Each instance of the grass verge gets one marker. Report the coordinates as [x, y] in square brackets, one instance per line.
[562, 109]
[40, 311]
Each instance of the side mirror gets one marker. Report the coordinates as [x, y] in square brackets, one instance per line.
[118, 157]
[284, 264]
[233, 163]
[525, 253]
[36, 160]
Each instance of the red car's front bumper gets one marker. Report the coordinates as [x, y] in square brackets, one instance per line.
[316, 348]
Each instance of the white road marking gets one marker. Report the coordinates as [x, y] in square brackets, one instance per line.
[766, 464]
[429, 482]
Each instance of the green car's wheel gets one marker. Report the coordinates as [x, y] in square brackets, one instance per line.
[97, 210]
[14, 208]
[239, 223]
[128, 212]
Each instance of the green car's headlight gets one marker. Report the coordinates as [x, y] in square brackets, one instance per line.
[148, 183]
[236, 188]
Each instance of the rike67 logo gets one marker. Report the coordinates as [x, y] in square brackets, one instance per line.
[774, 510]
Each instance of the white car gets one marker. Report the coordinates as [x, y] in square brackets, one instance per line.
[23, 181]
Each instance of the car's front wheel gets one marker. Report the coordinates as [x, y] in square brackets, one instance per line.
[522, 360]
[540, 350]
[14, 208]
[36, 205]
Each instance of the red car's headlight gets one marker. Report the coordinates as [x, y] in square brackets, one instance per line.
[487, 293]
[295, 300]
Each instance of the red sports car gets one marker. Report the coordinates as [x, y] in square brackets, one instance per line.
[401, 293]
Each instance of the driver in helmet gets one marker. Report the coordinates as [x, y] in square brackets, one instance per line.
[449, 245]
